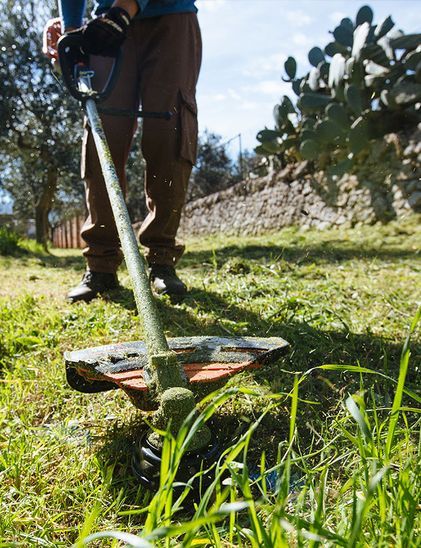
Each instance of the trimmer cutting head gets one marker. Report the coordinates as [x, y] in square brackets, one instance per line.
[207, 362]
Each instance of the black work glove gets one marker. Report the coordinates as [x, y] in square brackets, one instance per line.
[106, 34]
[77, 54]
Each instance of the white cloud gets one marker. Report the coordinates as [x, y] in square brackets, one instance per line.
[301, 39]
[298, 18]
[336, 16]
[265, 64]
[218, 97]
[268, 87]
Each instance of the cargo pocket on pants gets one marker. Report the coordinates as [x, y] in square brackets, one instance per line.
[189, 126]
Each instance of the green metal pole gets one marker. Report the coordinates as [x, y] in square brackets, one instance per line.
[163, 374]
[136, 265]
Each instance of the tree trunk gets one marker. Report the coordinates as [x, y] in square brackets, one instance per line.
[43, 206]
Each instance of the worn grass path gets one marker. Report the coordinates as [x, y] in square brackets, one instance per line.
[339, 297]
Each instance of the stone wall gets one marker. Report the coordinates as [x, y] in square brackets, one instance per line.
[385, 185]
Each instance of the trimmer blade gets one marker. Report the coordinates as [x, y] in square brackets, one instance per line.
[205, 360]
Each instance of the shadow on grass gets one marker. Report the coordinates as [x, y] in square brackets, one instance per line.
[310, 347]
[48, 259]
[325, 252]
[332, 251]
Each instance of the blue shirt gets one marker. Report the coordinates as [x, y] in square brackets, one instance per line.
[72, 11]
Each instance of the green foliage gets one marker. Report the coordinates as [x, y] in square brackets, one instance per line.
[40, 125]
[364, 84]
[214, 170]
[304, 465]
[9, 241]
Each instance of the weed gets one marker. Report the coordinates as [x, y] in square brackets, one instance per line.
[9, 241]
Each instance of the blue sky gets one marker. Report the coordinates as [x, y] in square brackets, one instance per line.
[245, 43]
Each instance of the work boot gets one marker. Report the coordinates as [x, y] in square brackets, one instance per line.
[165, 281]
[91, 284]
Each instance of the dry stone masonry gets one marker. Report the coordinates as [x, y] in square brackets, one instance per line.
[384, 185]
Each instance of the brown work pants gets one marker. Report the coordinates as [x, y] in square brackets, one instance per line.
[160, 66]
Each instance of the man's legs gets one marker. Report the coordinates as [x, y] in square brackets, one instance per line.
[168, 51]
[103, 253]
[171, 52]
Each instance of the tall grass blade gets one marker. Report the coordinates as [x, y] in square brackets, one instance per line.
[397, 400]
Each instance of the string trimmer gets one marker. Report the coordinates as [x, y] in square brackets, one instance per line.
[157, 374]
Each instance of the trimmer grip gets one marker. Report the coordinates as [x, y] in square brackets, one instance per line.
[73, 60]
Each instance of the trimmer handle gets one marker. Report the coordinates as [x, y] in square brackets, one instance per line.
[74, 62]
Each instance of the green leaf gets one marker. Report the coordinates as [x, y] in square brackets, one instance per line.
[315, 56]
[272, 147]
[324, 70]
[293, 412]
[309, 149]
[290, 67]
[355, 72]
[353, 98]
[365, 15]
[337, 113]
[296, 86]
[308, 134]
[27, 342]
[267, 135]
[344, 35]
[291, 142]
[384, 27]
[405, 93]
[358, 135]
[288, 105]
[403, 370]
[357, 416]
[284, 108]
[327, 131]
[335, 47]
[260, 149]
[314, 101]
[360, 369]
[376, 53]
[412, 60]
[346, 22]
[407, 41]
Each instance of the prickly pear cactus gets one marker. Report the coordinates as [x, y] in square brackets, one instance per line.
[364, 84]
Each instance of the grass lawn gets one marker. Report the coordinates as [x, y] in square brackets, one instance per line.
[319, 456]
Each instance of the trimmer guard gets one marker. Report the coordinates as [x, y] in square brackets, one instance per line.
[207, 362]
